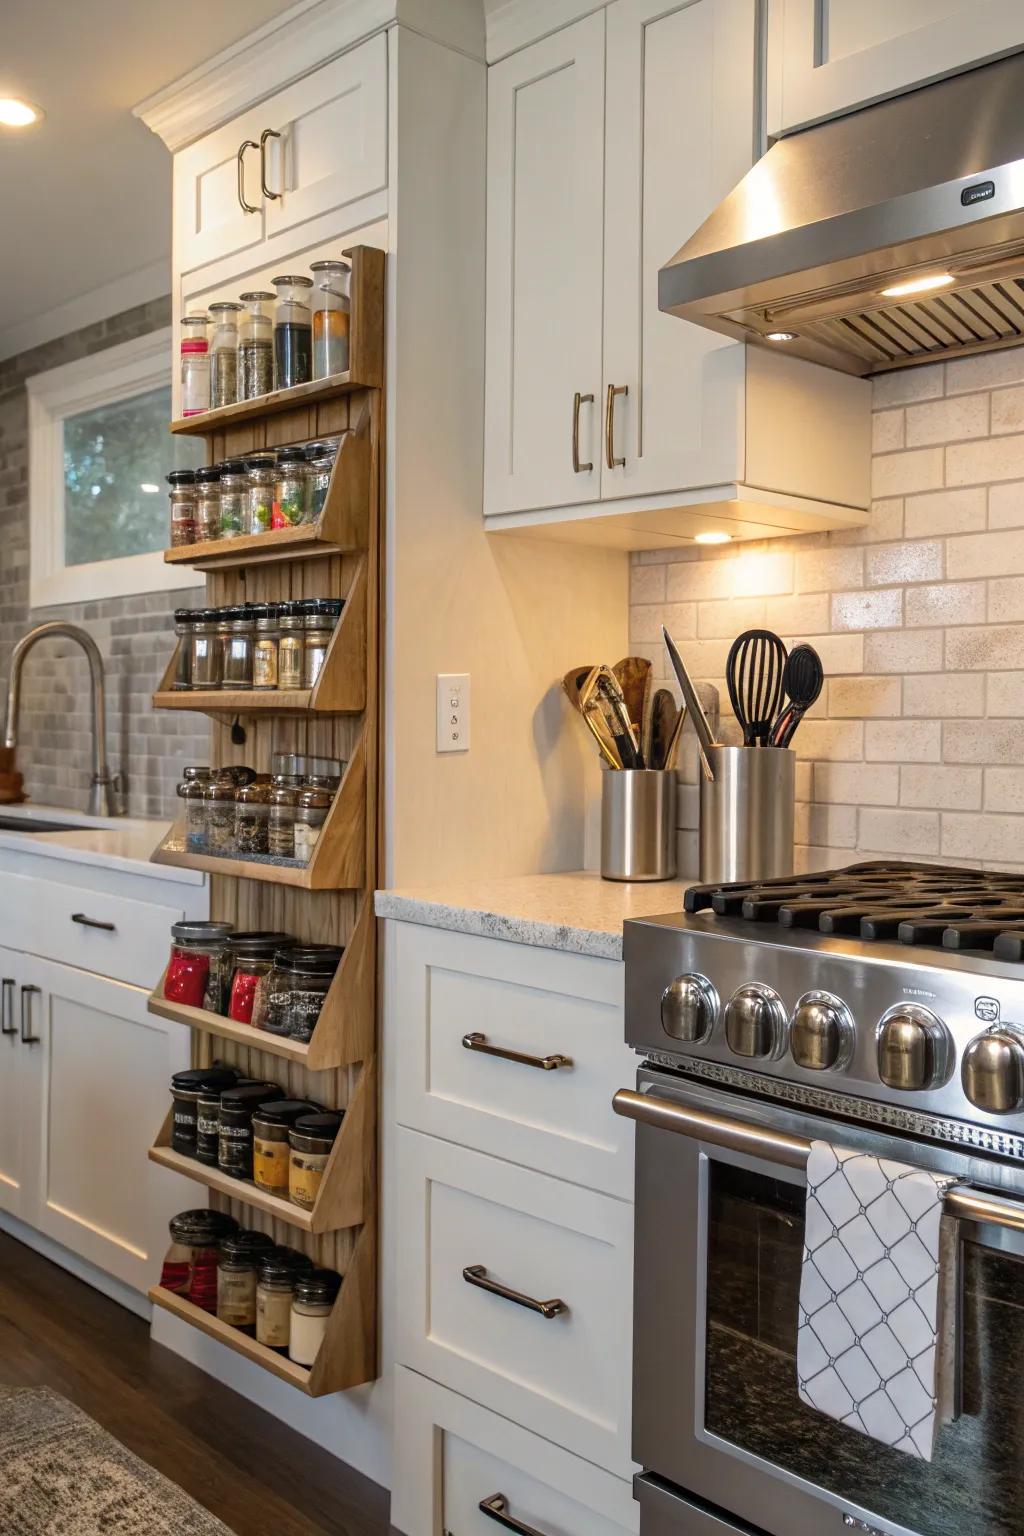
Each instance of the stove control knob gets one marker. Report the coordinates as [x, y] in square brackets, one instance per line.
[993, 1071]
[914, 1049]
[821, 1033]
[755, 1022]
[689, 1008]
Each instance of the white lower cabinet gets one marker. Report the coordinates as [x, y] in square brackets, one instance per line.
[456, 1456]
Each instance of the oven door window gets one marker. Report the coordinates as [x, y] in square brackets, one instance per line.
[975, 1482]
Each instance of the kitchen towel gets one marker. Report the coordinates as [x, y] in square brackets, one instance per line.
[877, 1297]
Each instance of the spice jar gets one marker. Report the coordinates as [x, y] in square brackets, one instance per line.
[240, 1253]
[290, 646]
[270, 1150]
[255, 346]
[183, 619]
[208, 1126]
[208, 503]
[252, 959]
[322, 772]
[319, 622]
[262, 472]
[195, 365]
[207, 659]
[183, 506]
[320, 457]
[310, 1141]
[237, 1106]
[313, 1303]
[219, 809]
[281, 826]
[298, 986]
[252, 813]
[224, 353]
[190, 1266]
[190, 791]
[331, 317]
[238, 650]
[291, 491]
[185, 1090]
[293, 331]
[264, 655]
[238, 774]
[275, 1289]
[311, 810]
[196, 968]
[234, 490]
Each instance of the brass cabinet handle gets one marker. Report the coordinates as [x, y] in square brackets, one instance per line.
[240, 163]
[478, 1042]
[27, 1037]
[268, 133]
[577, 401]
[92, 922]
[7, 1024]
[476, 1274]
[609, 426]
[496, 1508]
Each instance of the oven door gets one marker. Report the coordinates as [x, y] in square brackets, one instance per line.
[720, 1190]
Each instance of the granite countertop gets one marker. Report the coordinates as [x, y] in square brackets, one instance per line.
[119, 843]
[578, 912]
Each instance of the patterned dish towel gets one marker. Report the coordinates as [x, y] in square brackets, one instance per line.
[876, 1345]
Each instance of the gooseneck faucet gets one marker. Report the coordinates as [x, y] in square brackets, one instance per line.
[105, 790]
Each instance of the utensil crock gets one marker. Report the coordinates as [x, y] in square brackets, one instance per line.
[638, 824]
[746, 814]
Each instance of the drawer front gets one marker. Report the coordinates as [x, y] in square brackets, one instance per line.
[451, 1456]
[40, 917]
[566, 1375]
[443, 987]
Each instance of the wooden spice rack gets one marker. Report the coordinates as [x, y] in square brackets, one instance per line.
[330, 899]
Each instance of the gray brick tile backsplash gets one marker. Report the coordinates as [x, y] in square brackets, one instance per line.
[134, 634]
[917, 745]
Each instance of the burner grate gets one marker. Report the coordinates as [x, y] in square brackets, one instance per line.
[933, 905]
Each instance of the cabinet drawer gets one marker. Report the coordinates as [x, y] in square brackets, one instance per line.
[450, 1455]
[566, 1375]
[444, 986]
[40, 921]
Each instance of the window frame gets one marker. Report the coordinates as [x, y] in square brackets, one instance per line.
[104, 378]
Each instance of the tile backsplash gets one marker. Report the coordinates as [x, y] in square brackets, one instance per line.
[134, 634]
[916, 746]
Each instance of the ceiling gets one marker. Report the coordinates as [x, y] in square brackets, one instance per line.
[86, 193]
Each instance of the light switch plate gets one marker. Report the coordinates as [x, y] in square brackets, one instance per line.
[453, 711]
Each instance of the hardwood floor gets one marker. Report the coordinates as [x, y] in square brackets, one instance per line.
[245, 1466]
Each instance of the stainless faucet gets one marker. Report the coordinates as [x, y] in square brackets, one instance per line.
[106, 790]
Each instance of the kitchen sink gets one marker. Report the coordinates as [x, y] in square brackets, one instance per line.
[36, 824]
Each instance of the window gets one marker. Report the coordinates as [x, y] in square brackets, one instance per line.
[99, 452]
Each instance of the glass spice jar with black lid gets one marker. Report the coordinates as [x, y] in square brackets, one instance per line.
[270, 1150]
[311, 1140]
[316, 1291]
[237, 1106]
[298, 986]
[238, 651]
[290, 646]
[208, 503]
[184, 618]
[312, 807]
[219, 807]
[321, 457]
[291, 493]
[240, 1255]
[194, 779]
[252, 818]
[185, 1090]
[319, 621]
[207, 656]
[251, 961]
[234, 488]
[265, 641]
[196, 968]
[262, 475]
[190, 1266]
[183, 507]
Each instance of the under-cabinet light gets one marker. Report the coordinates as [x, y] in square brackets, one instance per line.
[918, 285]
[712, 538]
[781, 336]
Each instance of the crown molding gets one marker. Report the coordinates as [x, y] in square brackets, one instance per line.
[518, 22]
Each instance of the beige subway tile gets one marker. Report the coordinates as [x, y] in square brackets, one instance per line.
[647, 584]
[903, 741]
[807, 860]
[941, 789]
[989, 370]
[688, 806]
[762, 574]
[856, 784]
[699, 580]
[861, 697]
[1008, 410]
[1006, 600]
[832, 826]
[952, 602]
[790, 615]
[942, 695]
[916, 650]
[665, 556]
[868, 610]
[834, 740]
[998, 741]
[924, 383]
[1006, 505]
[887, 431]
[884, 523]
[983, 837]
[646, 619]
[947, 421]
[840, 654]
[706, 658]
[1004, 695]
[717, 619]
[823, 570]
[887, 564]
[916, 469]
[996, 648]
[991, 458]
[900, 831]
[985, 554]
[1004, 789]
[940, 512]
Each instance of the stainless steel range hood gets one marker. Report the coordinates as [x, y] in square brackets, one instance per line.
[928, 186]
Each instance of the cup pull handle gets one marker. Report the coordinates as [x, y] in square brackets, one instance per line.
[577, 401]
[496, 1508]
[7, 1024]
[27, 1037]
[609, 426]
[478, 1042]
[92, 922]
[476, 1274]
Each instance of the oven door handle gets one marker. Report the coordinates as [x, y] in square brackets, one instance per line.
[963, 1202]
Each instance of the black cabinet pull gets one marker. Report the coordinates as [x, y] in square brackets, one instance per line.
[28, 1038]
[496, 1508]
[7, 1024]
[476, 1274]
[92, 922]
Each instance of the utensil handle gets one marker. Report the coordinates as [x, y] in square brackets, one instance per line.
[577, 401]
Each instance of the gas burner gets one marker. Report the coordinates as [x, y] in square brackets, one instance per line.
[931, 905]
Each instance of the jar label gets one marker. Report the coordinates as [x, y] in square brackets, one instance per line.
[270, 1165]
[306, 1170]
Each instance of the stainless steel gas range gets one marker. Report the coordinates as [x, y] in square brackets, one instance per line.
[879, 1008]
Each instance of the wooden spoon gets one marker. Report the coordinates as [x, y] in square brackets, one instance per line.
[635, 678]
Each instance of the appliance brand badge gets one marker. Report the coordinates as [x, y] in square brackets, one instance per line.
[980, 192]
[853, 1524]
[987, 1010]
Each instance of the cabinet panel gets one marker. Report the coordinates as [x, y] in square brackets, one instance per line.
[544, 269]
[18, 1093]
[209, 221]
[672, 155]
[831, 56]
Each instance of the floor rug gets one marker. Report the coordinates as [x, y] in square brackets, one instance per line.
[61, 1474]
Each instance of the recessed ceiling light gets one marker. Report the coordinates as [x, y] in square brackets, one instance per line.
[712, 538]
[918, 285]
[781, 336]
[17, 114]
[151, 490]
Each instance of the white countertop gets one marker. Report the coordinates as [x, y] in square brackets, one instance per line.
[578, 912]
[113, 842]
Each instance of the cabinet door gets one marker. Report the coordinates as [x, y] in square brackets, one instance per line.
[674, 150]
[105, 1070]
[545, 199]
[209, 220]
[826, 57]
[19, 1088]
[333, 145]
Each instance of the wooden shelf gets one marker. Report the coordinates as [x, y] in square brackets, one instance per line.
[344, 1032]
[342, 1198]
[340, 688]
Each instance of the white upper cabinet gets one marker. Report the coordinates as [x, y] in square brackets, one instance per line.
[826, 57]
[218, 205]
[545, 191]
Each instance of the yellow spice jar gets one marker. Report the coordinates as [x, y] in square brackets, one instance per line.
[311, 1139]
[270, 1150]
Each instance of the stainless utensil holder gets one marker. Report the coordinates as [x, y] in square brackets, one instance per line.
[638, 824]
[746, 814]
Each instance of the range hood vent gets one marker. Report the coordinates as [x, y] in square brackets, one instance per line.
[926, 188]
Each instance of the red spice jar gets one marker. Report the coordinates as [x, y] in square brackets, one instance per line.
[251, 961]
[196, 968]
[190, 1266]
